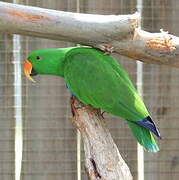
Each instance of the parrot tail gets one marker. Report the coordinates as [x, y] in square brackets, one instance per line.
[143, 136]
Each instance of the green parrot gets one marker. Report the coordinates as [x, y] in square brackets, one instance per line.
[97, 79]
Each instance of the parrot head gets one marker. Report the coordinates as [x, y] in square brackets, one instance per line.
[44, 61]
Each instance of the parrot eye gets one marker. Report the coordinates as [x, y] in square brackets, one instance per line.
[38, 57]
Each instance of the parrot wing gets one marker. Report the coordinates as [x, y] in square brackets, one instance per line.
[97, 79]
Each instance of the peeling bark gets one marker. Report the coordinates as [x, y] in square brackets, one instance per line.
[152, 48]
[102, 158]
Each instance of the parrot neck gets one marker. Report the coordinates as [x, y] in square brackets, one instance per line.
[56, 63]
[61, 61]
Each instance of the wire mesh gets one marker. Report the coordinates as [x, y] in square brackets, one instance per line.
[161, 94]
[6, 109]
[49, 151]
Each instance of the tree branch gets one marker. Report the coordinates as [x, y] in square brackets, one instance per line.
[117, 31]
[75, 27]
[102, 158]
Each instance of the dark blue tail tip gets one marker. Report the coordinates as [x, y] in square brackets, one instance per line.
[149, 124]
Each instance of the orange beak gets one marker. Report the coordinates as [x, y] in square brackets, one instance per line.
[27, 70]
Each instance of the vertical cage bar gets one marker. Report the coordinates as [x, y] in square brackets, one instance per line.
[78, 132]
[18, 106]
[140, 151]
[78, 155]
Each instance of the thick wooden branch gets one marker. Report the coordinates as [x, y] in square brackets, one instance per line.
[118, 31]
[102, 158]
[74, 27]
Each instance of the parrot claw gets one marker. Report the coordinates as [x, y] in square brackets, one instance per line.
[102, 114]
[107, 48]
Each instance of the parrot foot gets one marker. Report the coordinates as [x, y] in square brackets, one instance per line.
[74, 105]
[107, 48]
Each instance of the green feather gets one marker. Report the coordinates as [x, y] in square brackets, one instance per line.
[144, 137]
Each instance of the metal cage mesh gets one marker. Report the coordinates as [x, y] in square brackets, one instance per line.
[49, 139]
